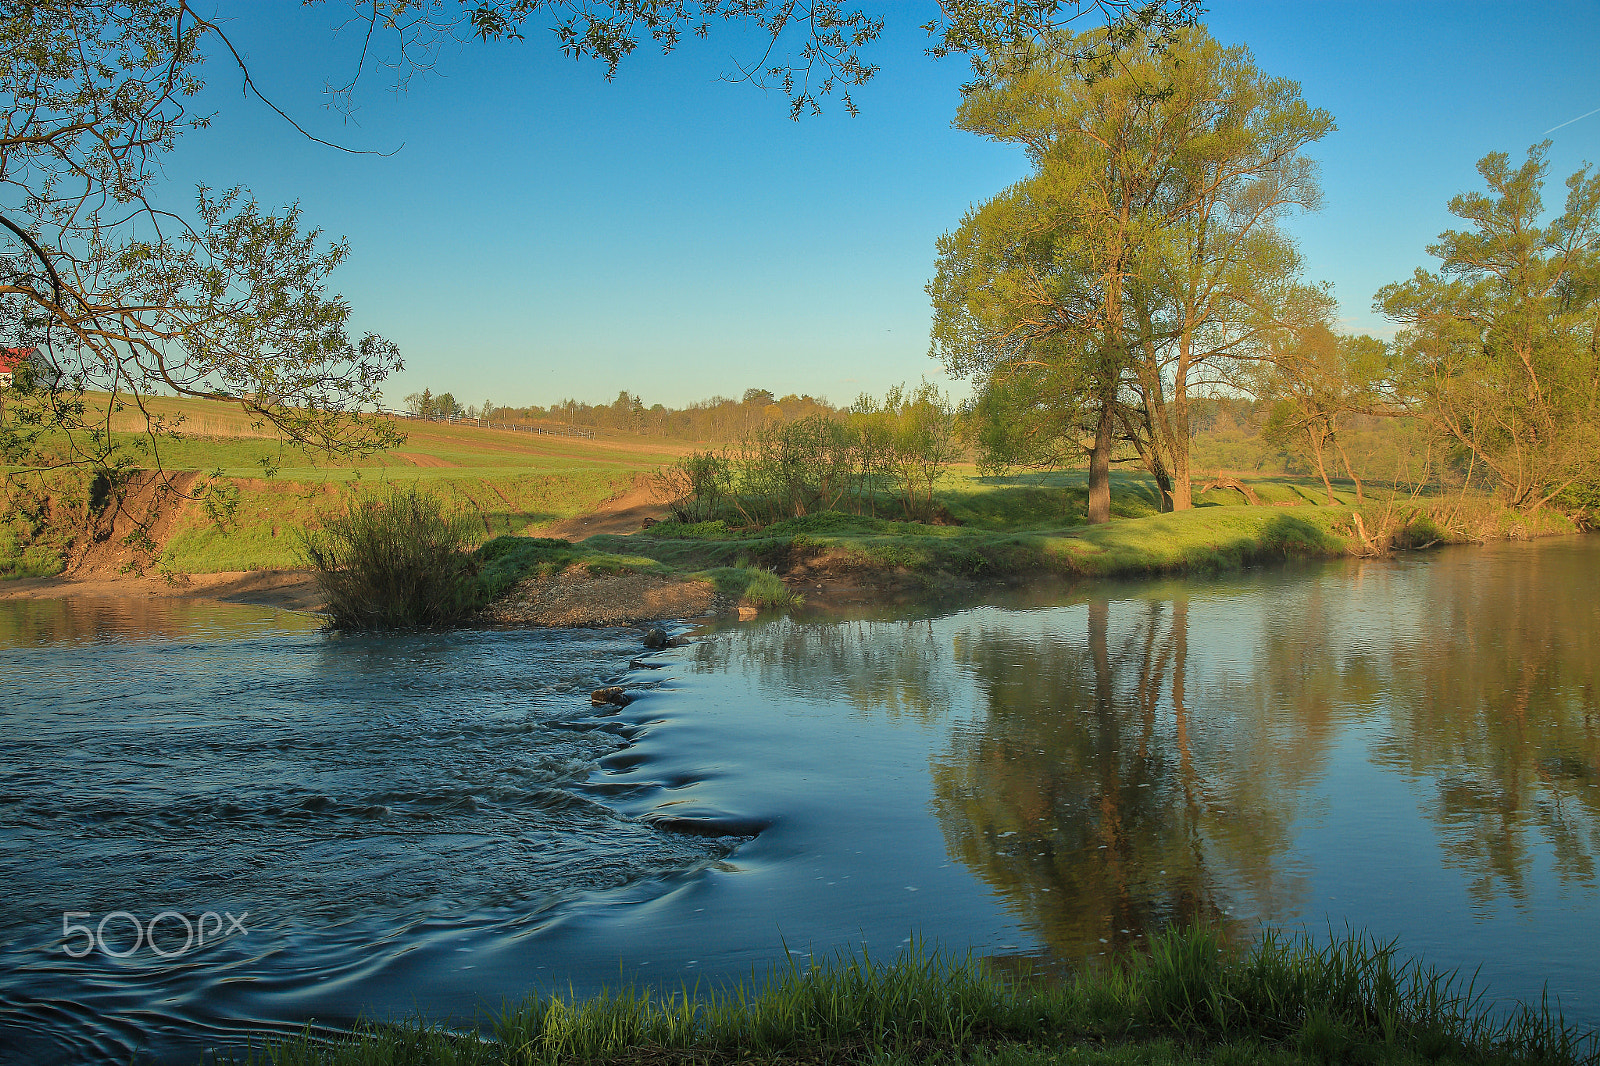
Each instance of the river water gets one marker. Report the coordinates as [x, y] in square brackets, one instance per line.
[433, 824]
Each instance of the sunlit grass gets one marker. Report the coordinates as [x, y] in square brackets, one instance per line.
[1193, 999]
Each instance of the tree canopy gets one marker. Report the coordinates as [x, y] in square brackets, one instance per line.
[1141, 259]
[1502, 345]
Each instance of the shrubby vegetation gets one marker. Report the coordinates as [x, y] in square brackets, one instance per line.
[868, 458]
[1193, 999]
[395, 561]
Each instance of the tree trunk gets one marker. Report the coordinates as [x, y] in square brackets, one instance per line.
[1164, 490]
[1316, 453]
[1182, 489]
[1348, 469]
[1100, 468]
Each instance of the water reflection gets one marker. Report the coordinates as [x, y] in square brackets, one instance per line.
[896, 668]
[1160, 752]
[1092, 797]
[1493, 701]
[36, 623]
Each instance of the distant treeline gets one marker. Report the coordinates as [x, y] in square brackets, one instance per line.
[716, 419]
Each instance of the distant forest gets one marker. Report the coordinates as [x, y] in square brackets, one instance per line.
[714, 420]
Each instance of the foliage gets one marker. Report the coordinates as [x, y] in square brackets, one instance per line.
[920, 431]
[807, 51]
[1138, 261]
[124, 296]
[1501, 344]
[397, 561]
[695, 486]
[1314, 383]
[425, 404]
[817, 463]
[1284, 999]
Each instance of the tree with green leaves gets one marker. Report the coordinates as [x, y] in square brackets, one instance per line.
[1141, 260]
[1315, 383]
[1502, 345]
[128, 298]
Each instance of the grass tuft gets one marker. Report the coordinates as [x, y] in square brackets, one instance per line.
[1192, 1000]
[396, 561]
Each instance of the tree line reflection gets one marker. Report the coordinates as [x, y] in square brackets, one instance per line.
[1117, 764]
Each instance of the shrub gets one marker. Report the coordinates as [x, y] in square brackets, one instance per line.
[397, 561]
[695, 486]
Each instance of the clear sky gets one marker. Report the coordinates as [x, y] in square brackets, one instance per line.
[541, 233]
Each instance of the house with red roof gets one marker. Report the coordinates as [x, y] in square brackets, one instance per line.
[13, 360]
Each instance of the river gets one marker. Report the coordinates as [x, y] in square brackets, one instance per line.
[434, 823]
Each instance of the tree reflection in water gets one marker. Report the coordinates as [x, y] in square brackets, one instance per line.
[1091, 796]
[1149, 754]
[1493, 697]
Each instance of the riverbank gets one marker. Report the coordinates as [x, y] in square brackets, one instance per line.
[827, 560]
[289, 590]
[1192, 999]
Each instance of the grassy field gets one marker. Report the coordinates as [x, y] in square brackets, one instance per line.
[517, 484]
[513, 483]
[1016, 526]
[1194, 999]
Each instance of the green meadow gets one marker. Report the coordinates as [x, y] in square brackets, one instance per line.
[514, 484]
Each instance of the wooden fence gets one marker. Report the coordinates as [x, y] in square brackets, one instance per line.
[515, 427]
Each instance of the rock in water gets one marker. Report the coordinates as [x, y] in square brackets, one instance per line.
[613, 694]
[656, 638]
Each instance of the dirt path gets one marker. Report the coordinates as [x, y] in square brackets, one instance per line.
[622, 513]
[418, 459]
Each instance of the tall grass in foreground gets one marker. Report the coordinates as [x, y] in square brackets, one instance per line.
[396, 561]
[1193, 999]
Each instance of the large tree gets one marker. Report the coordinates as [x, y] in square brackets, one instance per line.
[1502, 345]
[1140, 259]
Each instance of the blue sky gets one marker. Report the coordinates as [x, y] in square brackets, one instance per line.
[541, 233]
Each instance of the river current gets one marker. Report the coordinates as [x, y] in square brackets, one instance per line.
[431, 824]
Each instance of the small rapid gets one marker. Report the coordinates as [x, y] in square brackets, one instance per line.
[351, 797]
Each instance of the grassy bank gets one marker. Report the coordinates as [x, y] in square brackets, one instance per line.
[1193, 999]
[511, 483]
[513, 487]
[1009, 528]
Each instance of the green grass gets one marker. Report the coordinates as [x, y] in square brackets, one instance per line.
[512, 483]
[517, 485]
[753, 586]
[1205, 539]
[1193, 999]
[505, 561]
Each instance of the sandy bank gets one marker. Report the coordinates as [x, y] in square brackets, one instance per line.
[290, 590]
[578, 598]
